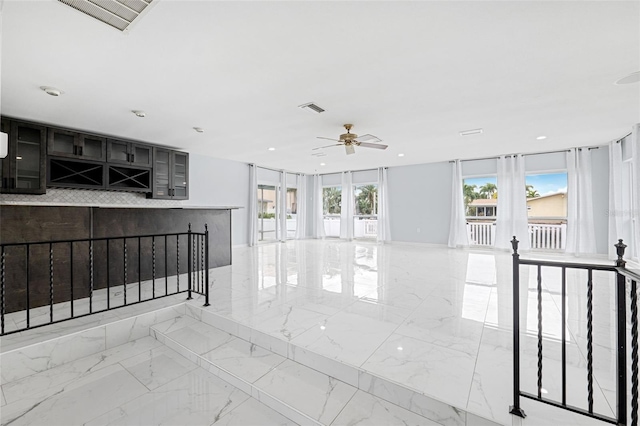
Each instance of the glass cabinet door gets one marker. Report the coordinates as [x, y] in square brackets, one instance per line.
[62, 142]
[5, 127]
[180, 168]
[141, 155]
[118, 151]
[29, 155]
[92, 147]
[161, 171]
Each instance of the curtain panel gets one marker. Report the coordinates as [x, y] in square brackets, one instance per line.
[580, 223]
[512, 217]
[253, 205]
[458, 226]
[384, 231]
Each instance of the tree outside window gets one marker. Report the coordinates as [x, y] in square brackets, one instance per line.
[366, 199]
[331, 200]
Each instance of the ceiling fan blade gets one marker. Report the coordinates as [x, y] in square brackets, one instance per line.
[326, 146]
[373, 145]
[350, 149]
[329, 139]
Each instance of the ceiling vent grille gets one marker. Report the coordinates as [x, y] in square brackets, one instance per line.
[117, 13]
[311, 107]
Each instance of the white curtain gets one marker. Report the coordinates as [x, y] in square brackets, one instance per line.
[301, 208]
[458, 226]
[318, 216]
[384, 231]
[281, 212]
[619, 207]
[580, 224]
[634, 243]
[346, 207]
[512, 203]
[253, 205]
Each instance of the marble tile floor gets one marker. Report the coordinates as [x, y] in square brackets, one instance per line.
[430, 319]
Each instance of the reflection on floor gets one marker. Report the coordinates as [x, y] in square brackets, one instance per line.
[432, 319]
[429, 319]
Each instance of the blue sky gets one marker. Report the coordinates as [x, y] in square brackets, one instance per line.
[548, 183]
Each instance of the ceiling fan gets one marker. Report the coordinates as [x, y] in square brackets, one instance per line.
[349, 141]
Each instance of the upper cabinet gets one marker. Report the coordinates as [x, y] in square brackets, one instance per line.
[65, 143]
[24, 170]
[131, 153]
[171, 174]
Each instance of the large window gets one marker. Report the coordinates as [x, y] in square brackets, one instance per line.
[331, 207]
[547, 210]
[365, 218]
[267, 208]
[481, 205]
[292, 211]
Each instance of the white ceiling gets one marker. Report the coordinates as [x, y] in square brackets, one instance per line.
[414, 74]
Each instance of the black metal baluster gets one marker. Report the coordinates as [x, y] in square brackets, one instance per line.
[634, 353]
[564, 335]
[2, 289]
[125, 270]
[178, 262]
[539, 331]
[166, 267]
[71, 274]
[50, 282]
[590, 340]
[108, 279]
[139, 272]
[27, 286]
[153, 267]
[206, 263]
[91, 276]
[621, 377]
[189, 262]
[202, 269]
[515, 408]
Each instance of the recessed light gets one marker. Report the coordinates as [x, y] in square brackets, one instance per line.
[471, 132]
[18, 158]
[634, 77]
[400, 348]
[400, 155]
[51, 91]
[322, 327]
[139, 113]
[199, 129]
[541, 138]
[272, 149]
[322, 164]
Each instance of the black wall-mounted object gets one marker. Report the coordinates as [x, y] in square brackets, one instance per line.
[23, 170]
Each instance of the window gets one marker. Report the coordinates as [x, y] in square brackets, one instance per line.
[292, 210]
[547, 210]
[267, 208]
[365, 216]
[331, 208]
[481, 205]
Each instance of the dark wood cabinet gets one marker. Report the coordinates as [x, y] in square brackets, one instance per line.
[66, 143]
[24, 168]
[170, 174]
[131, 153]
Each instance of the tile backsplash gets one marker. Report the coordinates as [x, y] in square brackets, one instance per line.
[84, 197]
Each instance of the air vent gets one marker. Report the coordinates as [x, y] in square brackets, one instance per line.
[311, 107]
[471, 132]
[117, 13]
[318, 154]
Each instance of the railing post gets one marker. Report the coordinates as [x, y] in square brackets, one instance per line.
[189, 262]
[515, 408]
[206, 265]
[621, 308]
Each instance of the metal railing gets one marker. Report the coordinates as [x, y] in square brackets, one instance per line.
[625, 286]
[541, 235]
[47, 282]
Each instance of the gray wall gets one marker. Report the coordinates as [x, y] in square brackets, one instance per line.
[215, 182]
[420, 198]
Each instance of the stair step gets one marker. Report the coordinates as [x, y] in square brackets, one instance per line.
[298, 392]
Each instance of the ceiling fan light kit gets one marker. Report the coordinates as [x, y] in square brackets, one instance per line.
[349, 140]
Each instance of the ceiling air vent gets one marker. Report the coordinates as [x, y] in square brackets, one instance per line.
[311, 107]
[116, 13]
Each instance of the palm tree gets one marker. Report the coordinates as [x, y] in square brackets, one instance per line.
[332, 198]
[531, 192]
[470, 194]
[366, 200]
[488, 189]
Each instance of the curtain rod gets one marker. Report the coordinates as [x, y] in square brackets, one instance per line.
[277, 170]
[533, 153]
[352, 171]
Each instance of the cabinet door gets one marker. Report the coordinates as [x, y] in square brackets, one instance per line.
[161, 172]
[62, 143]
[92, 147]
[141, 155]
[5, 127]
[117, 151]
[180, 168]
[28, 168]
